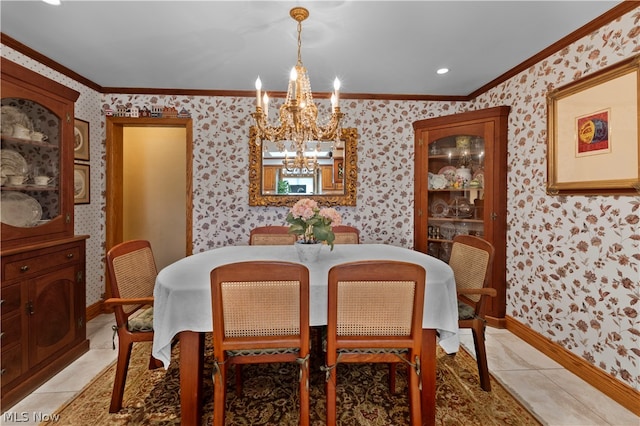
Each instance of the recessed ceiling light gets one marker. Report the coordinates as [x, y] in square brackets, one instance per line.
[442, 71]
[53, 2]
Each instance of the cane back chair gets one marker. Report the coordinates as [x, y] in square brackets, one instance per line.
[471, 260]
[260, 315]
[132, 276]
[271, 235]
[375, 315]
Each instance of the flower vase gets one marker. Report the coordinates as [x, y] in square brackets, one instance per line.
[308, 252]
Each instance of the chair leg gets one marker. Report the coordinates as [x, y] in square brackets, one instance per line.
[304, 394]
[481, 354]
[154, 363]
[124, 355]
[219, 396]
[414, 396]
[330, 390]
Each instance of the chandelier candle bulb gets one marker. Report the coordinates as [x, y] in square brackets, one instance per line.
[265, 103]
[293, 76]
[258, 87]
[336, 86]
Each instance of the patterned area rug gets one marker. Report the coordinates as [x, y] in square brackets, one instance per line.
[270, 396]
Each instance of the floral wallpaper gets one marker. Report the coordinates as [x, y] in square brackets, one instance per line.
[572, 261]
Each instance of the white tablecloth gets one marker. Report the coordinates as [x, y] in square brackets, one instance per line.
[183, 295]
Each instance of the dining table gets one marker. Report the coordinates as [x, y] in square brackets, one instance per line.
[182, 308]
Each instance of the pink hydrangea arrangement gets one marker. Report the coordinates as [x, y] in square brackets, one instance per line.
[311, 223]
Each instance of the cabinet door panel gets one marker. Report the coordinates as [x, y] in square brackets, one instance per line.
[51, 322]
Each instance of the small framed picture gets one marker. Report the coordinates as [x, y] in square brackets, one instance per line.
[81, 184]
[81, 140]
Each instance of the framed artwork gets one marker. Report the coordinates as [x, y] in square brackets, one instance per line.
[593, 146]
[81, 140]
[81, 184]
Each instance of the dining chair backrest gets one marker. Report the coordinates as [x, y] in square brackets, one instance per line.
[346, 234]
[260, 315]
[471, 260]
[132, 272]
[375, 311]
[271, 235]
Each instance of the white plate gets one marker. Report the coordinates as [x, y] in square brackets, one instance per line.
[12, 163]
[438, 182]
[449, 172]
[20, 210]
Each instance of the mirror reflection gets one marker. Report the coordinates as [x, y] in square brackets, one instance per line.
[327, 170]
[320, 170]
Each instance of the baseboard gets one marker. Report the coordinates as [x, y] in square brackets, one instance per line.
[623, 394]
[94, 310]
[495, 321]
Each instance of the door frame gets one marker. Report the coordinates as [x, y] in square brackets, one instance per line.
[114, 175]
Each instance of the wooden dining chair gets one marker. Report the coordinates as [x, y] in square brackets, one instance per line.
[346, 234]
[271, 235]
[471, 260]
[375, 315]
[260, 315]
[132, 276]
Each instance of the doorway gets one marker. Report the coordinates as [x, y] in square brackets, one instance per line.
[149, 185]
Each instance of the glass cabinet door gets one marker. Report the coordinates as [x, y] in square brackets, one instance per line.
[30, 164]
[455, 183]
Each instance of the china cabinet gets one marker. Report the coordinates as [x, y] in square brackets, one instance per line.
[43, 264]
[460, 188]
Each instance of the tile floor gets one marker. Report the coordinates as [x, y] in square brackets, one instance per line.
[554, 395]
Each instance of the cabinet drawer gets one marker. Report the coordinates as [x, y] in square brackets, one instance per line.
[11, 365]
[34, 265]
[11, 330]
[10, 297]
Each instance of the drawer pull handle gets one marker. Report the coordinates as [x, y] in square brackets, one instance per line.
[70, 256]
[24, 268]
[1, 302]
[1, 334]
[3, 371]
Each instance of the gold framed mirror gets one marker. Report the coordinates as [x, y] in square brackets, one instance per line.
[332, 183]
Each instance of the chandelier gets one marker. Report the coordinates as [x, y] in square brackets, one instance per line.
[298, 127]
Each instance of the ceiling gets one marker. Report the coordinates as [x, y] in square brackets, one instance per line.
[374, 47]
